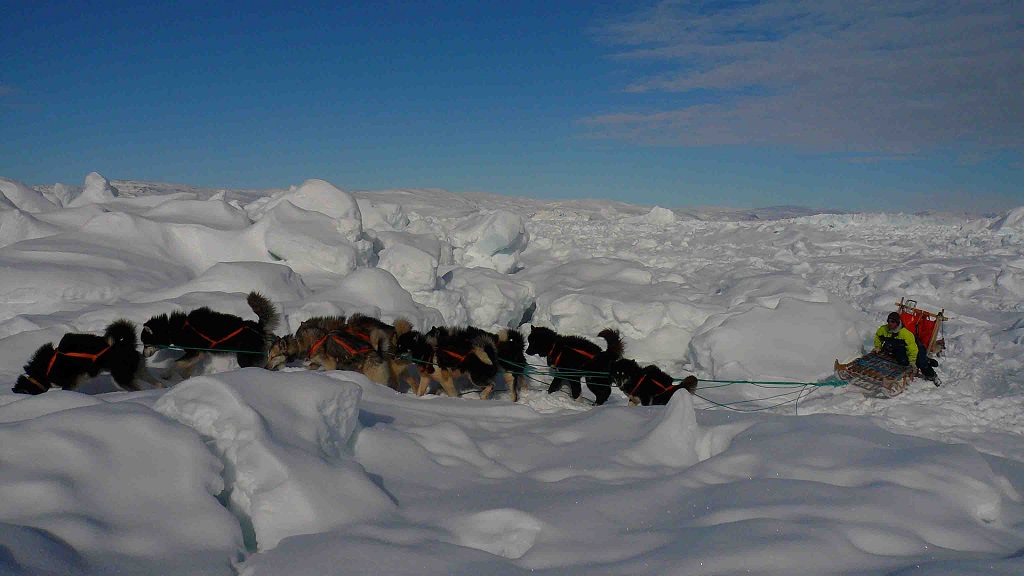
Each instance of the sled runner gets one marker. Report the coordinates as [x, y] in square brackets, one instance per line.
[877, 373]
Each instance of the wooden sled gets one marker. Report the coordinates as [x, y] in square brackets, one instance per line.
[876, 373]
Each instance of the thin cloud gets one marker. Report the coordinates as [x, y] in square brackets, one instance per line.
[5, 90]
[892, 77]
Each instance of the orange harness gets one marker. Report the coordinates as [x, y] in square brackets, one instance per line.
[664, 389]
[359, 334]
[343, 344]
[214, 343]
[558, 358]
[37, 383]
[56, 353]
[459, 357]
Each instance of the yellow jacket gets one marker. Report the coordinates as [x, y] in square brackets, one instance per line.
[883, 333]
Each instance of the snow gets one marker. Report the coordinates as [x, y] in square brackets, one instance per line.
[97, 190]
[251, 472]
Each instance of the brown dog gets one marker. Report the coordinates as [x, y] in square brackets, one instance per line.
[297, 346]
[360, 343]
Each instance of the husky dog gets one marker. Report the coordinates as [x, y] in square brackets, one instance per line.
[203, 330]
[413, 348]
[464, 351]
[343, 350]
[647, 385]
[81, 356]
[512, 360]
[573, 357]
[361, 343]
[297, 346]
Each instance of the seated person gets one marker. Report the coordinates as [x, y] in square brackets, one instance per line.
[893, 340]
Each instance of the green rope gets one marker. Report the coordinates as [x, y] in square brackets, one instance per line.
[778, 383]
[532, 370]
[207, 349]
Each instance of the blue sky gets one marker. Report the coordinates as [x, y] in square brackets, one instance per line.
[871, 105]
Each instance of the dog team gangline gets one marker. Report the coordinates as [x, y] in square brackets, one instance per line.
[531, 371]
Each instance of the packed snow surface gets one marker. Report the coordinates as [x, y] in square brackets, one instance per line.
[763, 471]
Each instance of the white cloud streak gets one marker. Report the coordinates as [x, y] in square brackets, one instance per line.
[878, 76]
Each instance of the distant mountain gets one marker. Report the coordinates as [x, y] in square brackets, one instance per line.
[136, 188]
[742, 214]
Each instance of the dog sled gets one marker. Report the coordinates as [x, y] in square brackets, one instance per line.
[881, 375]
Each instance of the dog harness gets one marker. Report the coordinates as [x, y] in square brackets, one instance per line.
[36, 382]
[343, 344]
[53, 359]
[56, 353]
[214, 343]
[459, 357]
[359, 335]
[558, 358]
[664, 389]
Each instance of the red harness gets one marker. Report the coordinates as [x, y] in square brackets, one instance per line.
[359, 334]
[345, 345]
[459, 357]
[214, 343]
[558, 358]
[664, 389]
[56, 353]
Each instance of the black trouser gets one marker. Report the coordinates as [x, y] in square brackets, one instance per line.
[898, 350]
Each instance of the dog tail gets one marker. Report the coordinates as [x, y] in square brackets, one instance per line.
[265, 311]
[485, 350]
[380, 341]
[121, 331]
[614, 339]
[402, 326]
[690, 384]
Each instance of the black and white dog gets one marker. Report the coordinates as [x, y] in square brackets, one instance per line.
[574, 357]
[648, 385]
[81, 356]
[203, 330]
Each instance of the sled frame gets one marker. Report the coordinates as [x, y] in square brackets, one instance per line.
[917, 320]
[876, 373]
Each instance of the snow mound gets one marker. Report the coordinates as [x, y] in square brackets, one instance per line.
[503, 532]
[796, 341]
[16, 226]
[23, 197]
[382, 215]
[1009, 223]
[212, 213]
[321, 196]
[97, 191]
[414, 268]
[672, 438]
[155, 500]
[284, 440]
[492, 240]
[307, 240]
[489, 298]
[276, 282]
[659, 216]
[376, 292]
